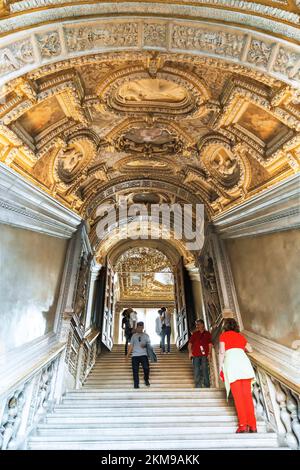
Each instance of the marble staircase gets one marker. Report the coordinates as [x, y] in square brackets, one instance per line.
[108, 414]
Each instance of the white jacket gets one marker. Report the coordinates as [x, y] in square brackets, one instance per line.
[236, 366]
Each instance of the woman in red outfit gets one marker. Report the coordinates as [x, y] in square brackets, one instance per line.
[237, 372]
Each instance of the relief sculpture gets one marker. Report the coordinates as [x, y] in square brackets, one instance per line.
[82, 287]
[210, 290]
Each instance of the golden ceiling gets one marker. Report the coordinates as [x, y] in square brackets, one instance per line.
[145, 273]
[175, 109]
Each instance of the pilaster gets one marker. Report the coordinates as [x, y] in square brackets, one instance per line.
[228, 297]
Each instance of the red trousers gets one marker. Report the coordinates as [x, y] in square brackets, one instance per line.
[241, 391]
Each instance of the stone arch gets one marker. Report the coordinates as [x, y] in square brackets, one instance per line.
[152, 184]
[115, 238]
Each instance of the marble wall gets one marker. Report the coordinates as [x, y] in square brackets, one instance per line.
[31, 269]
[266, 271]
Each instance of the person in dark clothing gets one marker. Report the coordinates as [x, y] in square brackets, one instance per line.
[165, 319]
[126, 327]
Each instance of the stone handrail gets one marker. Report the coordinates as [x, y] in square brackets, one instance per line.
[24, 404]
[28, 396]
[277, 401]
[81, 352]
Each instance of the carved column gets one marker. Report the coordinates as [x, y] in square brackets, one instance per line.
[194, 275]
[201, 313]
[116, 334]
[65, 303]
[69, 285]
[94, 275]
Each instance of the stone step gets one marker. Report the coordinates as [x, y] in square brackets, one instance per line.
[202, 391]
[156, 390]
[136, 432]
[180, 408]
[130, 386]
[161, 360]
[155, 367]
[164, 357]
[123, 421]
[157, 379]
[121, 364]
[184, 436]
[126, 375]
[121, 354]
[128, 362]
[218, 441]
[129, 383]
[182, 413]
[154, 370]
[117, 394]
[145, 401]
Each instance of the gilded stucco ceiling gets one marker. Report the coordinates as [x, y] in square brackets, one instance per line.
[180, 110]
[144, 273]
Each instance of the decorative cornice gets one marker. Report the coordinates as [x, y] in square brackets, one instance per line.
[274, 209]
[22, 52]
[25, 206]
[256, 15]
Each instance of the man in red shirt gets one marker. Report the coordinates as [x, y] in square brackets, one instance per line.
[200, 346]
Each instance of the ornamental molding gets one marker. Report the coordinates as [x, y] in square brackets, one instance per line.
[22, 52]
[167, 165]
[255, 15]
[72, 161]
[192, 105]
[146, 150]
[121, 184]
[272, 210]
[238, 94]
[131, 122]
[115, 237]
[226, 164]
[25, 206]
[68, 92]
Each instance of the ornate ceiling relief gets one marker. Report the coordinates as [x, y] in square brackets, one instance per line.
[153, 107]
[157, 108]
[72, 160]
[149, 142]
[219, 161]
[145, 273]
[171, 91]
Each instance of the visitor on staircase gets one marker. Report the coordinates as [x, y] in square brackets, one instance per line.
[237, 373]
[138, 349]
[200, 347]
[158, 329]
[133, 320]
[126, 327]
[165, 318]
